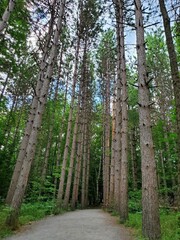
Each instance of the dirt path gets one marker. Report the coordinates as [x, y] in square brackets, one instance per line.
[92, 224]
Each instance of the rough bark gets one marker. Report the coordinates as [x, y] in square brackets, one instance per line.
[124, 127]
[107, 135]
[77, 168]
[59, 140]
[72, 157]
[30, 121]
[175, 77]
[111, 190]
[51, 127]
[30, 150]
[133, 141]
[84, 166]
[118, 119]
[69, 128]
[150, 202]
[87, 173]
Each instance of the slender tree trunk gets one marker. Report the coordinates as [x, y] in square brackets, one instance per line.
[73, 149]
[6, 15]
[69, 128]
[118, 118]
[103, 154]
[169, 161]
[30, 121]
[85, 123]
[124, 127]
[97, 181]
[59, 140]
[84, 166]
[175, 77]
[150, 202]
[111, 191]
[12, 220]
[4, 87]
[164, 175]
[107, 135]
[133, 158]
[78, 167]
[51, 127]
[87, 172]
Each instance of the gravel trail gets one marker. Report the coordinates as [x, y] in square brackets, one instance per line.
[91, 224]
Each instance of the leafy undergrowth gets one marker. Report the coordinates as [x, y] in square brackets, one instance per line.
[29, 212]
[170, 225]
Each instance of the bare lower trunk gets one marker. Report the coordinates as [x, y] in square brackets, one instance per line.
[97, 181]
[59, 142]
[77, 168]
[87, 173]
[30, 150]
[107, 136]
[118, 119]
[124, 127]
[175, 77]
[164, 175]
[133, 158]
[51, 128]
[69, 128]
[150, 202]
[73, 149]
[84, 167]
[30, 120]
[111, 190]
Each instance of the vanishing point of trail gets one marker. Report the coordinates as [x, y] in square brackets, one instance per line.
[91, 224]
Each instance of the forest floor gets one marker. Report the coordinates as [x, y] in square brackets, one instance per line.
[91, 224]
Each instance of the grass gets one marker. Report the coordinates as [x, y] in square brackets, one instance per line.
[170, 225]
[29, 212]
[170, 221]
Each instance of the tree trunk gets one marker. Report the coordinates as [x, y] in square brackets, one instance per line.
[124, 127]
[73, 149]
[84, 166]
[107, 135]
[164, 175]
[59, 140]
[118, 119]
[12, 220]
[133, 141]
[6, 15]
[176, 79]
[30, 121]
[4, 87]
[87, 172]
[111, 190]
[51, 127]
[69, 128]
[78, 167]
[150, 202]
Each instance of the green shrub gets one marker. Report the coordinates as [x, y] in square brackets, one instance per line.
[135, 201]
[29, 212]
